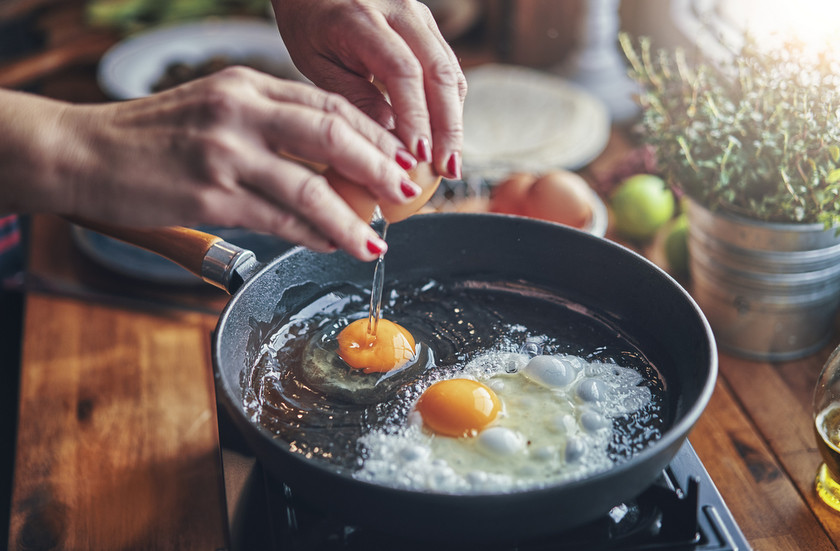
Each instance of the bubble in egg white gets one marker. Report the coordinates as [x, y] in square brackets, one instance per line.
[532, 348]
[592, 390]
[477, 478]
[414, 453]
[545, 453]
[564, 423]
[500, 441]
[550, 371]
[575, 449]
[592, 421]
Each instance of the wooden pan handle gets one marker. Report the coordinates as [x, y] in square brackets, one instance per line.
[184, 246]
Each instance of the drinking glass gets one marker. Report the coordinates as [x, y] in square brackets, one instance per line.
[827, 430]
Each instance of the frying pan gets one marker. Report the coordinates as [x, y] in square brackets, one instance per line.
[626, 291]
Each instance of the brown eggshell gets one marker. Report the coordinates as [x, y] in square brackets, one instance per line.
[508, 196]
[559, 196]
[428, 180]
[363, 202]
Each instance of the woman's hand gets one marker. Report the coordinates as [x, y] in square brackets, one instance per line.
[205, 153]
[343, 45]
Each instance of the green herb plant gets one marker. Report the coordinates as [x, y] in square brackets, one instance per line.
[757, 134]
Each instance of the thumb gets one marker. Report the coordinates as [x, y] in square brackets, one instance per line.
[361, 92]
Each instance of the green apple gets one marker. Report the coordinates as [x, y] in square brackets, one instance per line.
[641, 204]
[676, 244]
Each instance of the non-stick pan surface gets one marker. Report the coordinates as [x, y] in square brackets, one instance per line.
[623, 288]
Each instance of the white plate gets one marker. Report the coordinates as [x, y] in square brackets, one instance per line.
[522, 120]
[131, 67]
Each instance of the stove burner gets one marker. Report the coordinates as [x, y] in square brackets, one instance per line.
[682, 510]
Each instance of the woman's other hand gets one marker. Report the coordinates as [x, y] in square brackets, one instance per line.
[343, 45]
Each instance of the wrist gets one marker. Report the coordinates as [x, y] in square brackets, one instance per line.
[33, 157]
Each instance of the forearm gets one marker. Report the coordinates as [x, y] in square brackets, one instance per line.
[34, 168]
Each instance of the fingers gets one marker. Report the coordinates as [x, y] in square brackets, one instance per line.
[445, 86]
[388, 57]
[359, 91]
[403, 49]
[327, 129]
[306, 201]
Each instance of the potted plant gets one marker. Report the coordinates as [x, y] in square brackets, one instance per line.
[753, 141]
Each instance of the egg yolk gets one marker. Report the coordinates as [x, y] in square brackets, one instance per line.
[391, 347]
[458, 407]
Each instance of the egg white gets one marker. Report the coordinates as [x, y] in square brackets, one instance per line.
[555, 425]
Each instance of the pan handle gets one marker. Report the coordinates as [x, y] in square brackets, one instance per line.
[206, 255]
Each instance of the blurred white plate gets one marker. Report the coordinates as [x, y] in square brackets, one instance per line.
[522, 120]
[131, 67]
[600, 219]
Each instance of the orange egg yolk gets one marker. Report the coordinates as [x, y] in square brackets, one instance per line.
[391, 347]
[458, 407]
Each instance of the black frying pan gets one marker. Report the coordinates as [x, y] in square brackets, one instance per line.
[626, 290]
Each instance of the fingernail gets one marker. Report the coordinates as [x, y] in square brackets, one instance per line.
[453, 165]
[409, 189]
[376, 246]
[405, 159]
[424, 150]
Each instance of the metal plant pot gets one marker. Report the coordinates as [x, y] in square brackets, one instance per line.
[769, 290]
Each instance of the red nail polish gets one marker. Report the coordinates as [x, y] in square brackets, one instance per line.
[424, 150]
[374, 247]
[453, 165]
[409, 189]
[405, 159]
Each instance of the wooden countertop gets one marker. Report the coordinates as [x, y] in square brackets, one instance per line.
[113, 454]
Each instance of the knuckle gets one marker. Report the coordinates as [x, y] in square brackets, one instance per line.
[334, 132]
[462, 85]
[424, 10]
[207, 207]
[444, 73]
[214, 151]
[218, 103]
[334, 104]
[385, 172]
[283, 223]
[408, 69]
[453, 134]
[312, 193]
[236, 73]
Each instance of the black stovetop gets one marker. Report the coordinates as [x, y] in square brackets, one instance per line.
[681, 510]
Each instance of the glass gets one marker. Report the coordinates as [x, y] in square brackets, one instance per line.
[827, 430]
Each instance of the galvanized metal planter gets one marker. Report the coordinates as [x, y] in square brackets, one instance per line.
[770, 291]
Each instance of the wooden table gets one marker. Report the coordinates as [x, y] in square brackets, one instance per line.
[113, 453]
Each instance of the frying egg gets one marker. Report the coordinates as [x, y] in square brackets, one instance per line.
[458, 407]
[507, 421]
[391, 347]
